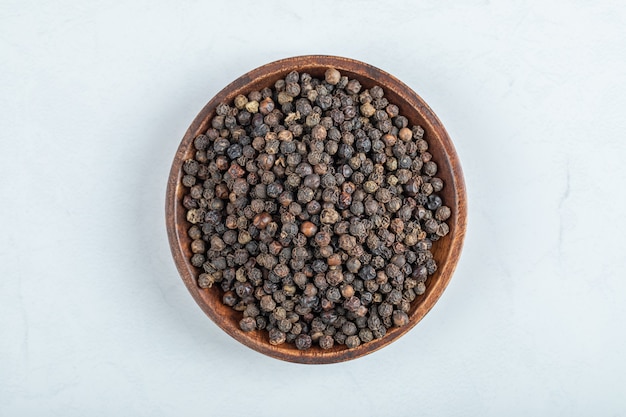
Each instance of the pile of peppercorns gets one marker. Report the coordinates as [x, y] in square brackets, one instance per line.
[314, 205]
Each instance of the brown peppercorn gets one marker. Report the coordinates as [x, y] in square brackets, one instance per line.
[236, 171]
[344, 201]
[274, 247]
[318, 133]
[310, 290]
[198, 246]
[244, 237]
[367, 110]
[400, 318]
[389, 139]
[392, 110]
[329, 216]
[217, 244]
[221, 191]
[332, 76]
[347, 291]
[334, 277]
[284, 98]
[241, 101]
[261, 220]
[265, 161]
[252, 106]
[396, 226]
[308, 229]
[405, 134]
[334, 260]
[285, 135]
[266, 106]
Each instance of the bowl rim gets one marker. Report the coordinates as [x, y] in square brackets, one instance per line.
[431, 123]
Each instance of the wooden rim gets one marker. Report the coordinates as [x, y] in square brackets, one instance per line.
[446, 251]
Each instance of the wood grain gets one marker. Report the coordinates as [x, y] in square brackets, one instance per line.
[446, 251]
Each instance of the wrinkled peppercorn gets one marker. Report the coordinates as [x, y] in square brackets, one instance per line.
[247, 324]
[303, 341]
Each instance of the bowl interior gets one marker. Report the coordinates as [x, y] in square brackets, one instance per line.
[446, 251]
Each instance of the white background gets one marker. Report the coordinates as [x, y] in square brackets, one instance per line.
[94, 99]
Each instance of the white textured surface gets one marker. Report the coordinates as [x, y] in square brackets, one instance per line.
[94, 98]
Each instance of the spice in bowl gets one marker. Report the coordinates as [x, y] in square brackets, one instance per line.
[314, 205]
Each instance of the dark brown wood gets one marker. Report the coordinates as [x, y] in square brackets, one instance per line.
[446, 251]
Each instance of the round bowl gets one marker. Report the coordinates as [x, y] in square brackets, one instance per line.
[446, 251]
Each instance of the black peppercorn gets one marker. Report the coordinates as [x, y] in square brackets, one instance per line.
[248, 324]
[276, 337]
[326, 342]
[434, 202]
[303, 341]
[352, 341]
[305, 194]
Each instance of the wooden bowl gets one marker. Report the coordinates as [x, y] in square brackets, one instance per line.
[446, 251]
